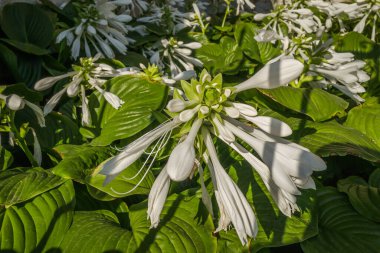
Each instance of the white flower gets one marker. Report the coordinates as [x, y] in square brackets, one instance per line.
[99, 27]
[87, 74]
[157, 197]
[273, 75]
[285, 166]
[343, 72]
[181, 160]
[241, 3]
[232, 203]
[37, 154]
[175, 54]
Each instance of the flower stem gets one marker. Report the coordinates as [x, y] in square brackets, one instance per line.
[226, 13]
[21, 141]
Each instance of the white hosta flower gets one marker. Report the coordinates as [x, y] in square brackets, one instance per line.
[264, 35]
[181, 160]
[232, 203]
[296, 19]
[273, 75]
[88, 74]
[99, 28]
[37, 154]
[157, 197]
[14, 102]
[241, 5]
[201, 105]
[343, 72]
[175, 54]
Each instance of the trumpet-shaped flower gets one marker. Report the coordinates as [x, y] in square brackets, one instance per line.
[88, 75]
[343, 72]
[205, 105]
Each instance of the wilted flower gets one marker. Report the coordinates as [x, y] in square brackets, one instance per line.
[208, 106]
[86, 75]
[98, 27]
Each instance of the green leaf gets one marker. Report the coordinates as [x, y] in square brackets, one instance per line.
[39, 224]
[10, 59]
[141, 98]
[374, 179]
[225, 57]
[79, 161]
[6, 158]
[364, 198]
[27, 23]
[19, 185]
[366, 119]
[27, 47]
[122, 185]
[268, 51]
[341, 228]
[316, 103]
[180, 230]
[244, 36]
[330, 138]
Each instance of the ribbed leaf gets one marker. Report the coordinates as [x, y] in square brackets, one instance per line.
[364, 198]
[244, 35]
[27, 23]
[341, 228]
[39, 224]
[180, 230]
[123, 184]
[316, 103]
[366, 118]
[19, 185]
[141, 97]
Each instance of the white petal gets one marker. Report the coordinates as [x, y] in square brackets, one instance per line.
[15, 102]
[53, 101]
[271, 125]
[157, 197]
[48, 82]
[273, 75]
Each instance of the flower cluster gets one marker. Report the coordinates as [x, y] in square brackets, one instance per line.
[207, 107]
[87, 75]
[98, 25]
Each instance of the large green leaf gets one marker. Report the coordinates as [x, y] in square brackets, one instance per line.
[141, 99]
[316, 103]
[181, 230]
[364, 198]
[330, 138]
[26, 47]
[8, 57]
[341, 228]
[225, 57]
[79, 161]
[23, 91]
[124, 183]
[39, 224]
[275, 229]
[19, 185]
[366, 118]
[27, 23]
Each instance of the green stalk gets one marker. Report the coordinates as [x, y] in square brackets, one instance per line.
[226, 13]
